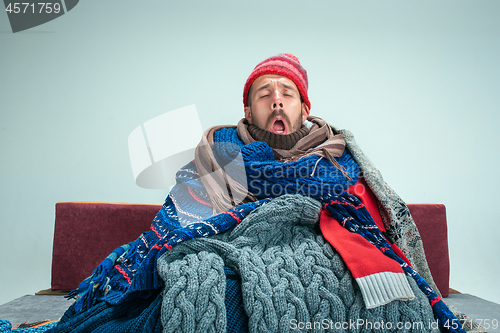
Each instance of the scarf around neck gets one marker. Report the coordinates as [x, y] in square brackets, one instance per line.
[277, 141]
[220, 162]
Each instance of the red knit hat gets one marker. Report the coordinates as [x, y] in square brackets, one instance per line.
[282, 64]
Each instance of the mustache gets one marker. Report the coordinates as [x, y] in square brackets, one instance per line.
[276, 113]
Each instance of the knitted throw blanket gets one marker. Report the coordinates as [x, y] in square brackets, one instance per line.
[291, 277]
[187, 213]
[137, 315]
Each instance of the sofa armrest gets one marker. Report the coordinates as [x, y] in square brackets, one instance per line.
[87, 232]
[431, 223]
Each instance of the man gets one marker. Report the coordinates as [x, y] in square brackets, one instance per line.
[274, 227]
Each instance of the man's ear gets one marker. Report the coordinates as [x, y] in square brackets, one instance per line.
[305, 111]
[248, 114]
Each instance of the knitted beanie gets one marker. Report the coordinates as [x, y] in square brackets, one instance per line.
[282, 64]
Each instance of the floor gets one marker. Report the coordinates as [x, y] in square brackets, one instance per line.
[32, 308]
[484, 312]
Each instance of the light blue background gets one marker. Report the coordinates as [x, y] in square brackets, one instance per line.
[416, 81]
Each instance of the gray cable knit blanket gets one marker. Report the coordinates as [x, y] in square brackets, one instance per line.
[292, 279]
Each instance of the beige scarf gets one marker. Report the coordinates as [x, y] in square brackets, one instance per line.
[226, 193]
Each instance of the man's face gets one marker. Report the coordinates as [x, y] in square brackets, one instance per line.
[275, 105]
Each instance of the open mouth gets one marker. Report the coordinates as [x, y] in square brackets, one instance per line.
[278, 127]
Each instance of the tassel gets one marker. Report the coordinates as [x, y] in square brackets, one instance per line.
[87, 291]
[315, 165]
[336, 164]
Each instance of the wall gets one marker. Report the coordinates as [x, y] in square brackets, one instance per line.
[416, 81]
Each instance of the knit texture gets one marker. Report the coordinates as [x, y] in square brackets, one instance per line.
[281, 178]
[351, 214]
[187, 214]
[277, 141]
[6, 327]
[134, 316]
[237, 320]
[289, 273]
[134, 275]
[397, 218]
[130, 271]
[221, 161]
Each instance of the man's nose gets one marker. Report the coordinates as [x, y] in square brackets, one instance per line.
[277, 103]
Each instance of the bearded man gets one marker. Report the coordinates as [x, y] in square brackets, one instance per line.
[279, 224]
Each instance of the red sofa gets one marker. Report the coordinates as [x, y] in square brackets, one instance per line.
[87, 232]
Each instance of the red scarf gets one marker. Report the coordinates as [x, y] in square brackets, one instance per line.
[380, 278]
